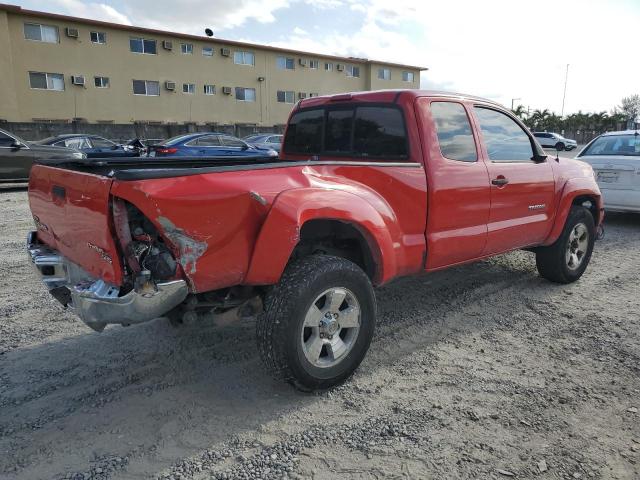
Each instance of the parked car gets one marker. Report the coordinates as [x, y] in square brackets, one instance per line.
[93, 145]
[208, 144]
[370, 187]
[265, 141]
[17, 156]
[615, 158]
[555, 140]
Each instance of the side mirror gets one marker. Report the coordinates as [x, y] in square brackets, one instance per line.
[17, 145]
[115, 147]
[245, 147]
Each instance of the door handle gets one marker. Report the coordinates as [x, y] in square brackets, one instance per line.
[500, 181]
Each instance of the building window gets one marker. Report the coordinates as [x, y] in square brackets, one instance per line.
[101, 82]
[245, 94]
[209, 89]
[41, 33]
[186, 48]
[313, 94]
[285, 63]
[328, 67]
[407, 77]
[314, 64]
[285, 96]
[98, 37]
[207, 51]
[244, 58]
[353, 71]
[189, 88]
[146, 87]
[46, 81]
[142, 45]
[384, 74]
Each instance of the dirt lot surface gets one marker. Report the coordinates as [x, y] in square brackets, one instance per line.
[482, 371]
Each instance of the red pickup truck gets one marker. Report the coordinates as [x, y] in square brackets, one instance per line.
[369, 187]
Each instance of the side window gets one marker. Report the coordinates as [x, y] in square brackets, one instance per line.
[232, 142]
[304, 132]
[379, 132]
[505, 140]
[78, 142]
[209, 141]
[101, 142]
[6, 140]
[454, 131]
[338, 130]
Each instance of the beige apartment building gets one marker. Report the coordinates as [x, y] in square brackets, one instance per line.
[59, 68]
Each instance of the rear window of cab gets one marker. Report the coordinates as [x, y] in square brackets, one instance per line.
[368, 131]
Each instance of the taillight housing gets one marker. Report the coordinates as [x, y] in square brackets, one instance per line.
[166, 150]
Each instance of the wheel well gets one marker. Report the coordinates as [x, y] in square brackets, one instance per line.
[589, 203]
[338, 238]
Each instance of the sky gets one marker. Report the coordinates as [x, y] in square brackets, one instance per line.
[498, 49]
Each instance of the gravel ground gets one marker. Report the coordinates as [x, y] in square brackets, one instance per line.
[481, 371]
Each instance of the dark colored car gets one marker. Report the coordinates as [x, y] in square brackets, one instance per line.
[208, 144]
[93, 145]
[17, 156]
[265, 141]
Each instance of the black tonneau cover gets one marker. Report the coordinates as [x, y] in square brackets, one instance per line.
[143, 168]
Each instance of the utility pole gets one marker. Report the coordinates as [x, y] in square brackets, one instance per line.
[513, 100]
[564, 95]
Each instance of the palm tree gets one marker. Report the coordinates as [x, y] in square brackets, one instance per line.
[539, 118]
[520, 112]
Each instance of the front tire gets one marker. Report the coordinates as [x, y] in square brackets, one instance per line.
[560, 146]
[566, 260]
[318, 322]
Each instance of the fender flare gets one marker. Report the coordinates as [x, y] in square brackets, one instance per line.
[280, 233]
[573, 188]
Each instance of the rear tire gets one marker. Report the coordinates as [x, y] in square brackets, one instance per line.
[560, 146]
[566, 260]
[318, 322]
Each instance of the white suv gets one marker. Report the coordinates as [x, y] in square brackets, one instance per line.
[555, 140]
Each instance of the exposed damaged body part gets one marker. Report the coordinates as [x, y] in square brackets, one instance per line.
[190, 249]
[369, 187]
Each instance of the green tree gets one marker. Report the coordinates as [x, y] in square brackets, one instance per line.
[520, 112]
[539, 119]
[630, 107]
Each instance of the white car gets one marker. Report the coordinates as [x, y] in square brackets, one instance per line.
[615, 158]
[555, 140]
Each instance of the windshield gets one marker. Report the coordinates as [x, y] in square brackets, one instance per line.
[614, 145]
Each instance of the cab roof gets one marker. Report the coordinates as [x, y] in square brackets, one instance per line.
[389, 96]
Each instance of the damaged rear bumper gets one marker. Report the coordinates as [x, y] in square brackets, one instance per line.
[96, 302]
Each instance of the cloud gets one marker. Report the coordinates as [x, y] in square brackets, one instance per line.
[95, 11]
[501, 50]
[491, 48]
[189, 16]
